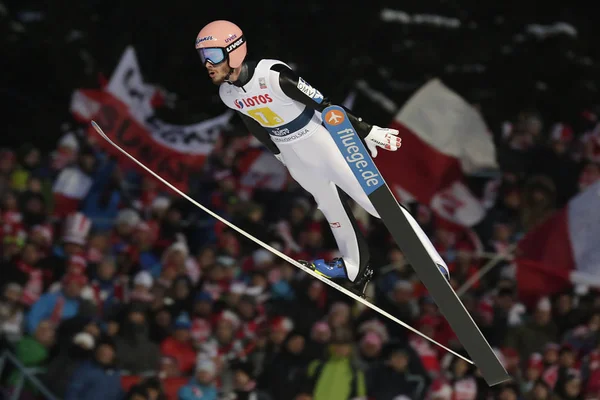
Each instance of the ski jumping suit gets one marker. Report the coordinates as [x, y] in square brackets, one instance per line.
[283, 112]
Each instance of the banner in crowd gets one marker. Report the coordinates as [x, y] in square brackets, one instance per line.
[125, 111]
[563, 250]
[443, 139]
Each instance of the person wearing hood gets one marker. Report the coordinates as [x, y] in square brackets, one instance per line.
[393, 378]
[181, 294]
[61, 368]
[281, 376]
[34, 208]
[337, 377]
[244, 385]
[137, 354]
[97, 379]
[202, 385]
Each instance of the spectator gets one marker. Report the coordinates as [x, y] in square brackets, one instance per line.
[61, 368]
[137, 354]
[282, 377]
[33, 351]
[202, 386]
[540, 391]
[142, 285]
[160, 325]
[463, 380]
[336, 377]
[97, 378]
[11, 313]
[137, 392]
[179, 344]
[244, 386]
[393, 378]
[24, 270]
[533, 372]
[535, 334]
[153, 388]
[59, 305]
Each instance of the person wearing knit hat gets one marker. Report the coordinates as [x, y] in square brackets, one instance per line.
[179, 345]
[321, 332]
[202, 385]
[97, 379]
[369, 349]
[533, 372]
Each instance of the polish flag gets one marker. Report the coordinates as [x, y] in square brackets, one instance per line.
[71, 186]
[563, 250]
[443, 139]
[261, 170]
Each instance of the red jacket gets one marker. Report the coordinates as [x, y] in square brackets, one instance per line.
[184, 353]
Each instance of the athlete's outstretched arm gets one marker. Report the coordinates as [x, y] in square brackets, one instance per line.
[259, 132]
[289, 83]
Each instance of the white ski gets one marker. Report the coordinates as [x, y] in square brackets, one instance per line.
[275, 251]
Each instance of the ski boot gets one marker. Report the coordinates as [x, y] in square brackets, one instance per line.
[336, 271]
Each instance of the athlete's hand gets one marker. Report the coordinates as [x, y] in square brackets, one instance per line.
[384, 138]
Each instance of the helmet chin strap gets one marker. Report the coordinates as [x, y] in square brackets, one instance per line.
[239, 81]
[228, 76]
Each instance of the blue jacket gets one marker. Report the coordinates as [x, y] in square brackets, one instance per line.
[195, 391]
[92, 382]
[43, 308]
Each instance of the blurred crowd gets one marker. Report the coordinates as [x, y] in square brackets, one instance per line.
[125, 291]
[114, 288]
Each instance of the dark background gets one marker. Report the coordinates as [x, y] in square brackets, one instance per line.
[50, 48]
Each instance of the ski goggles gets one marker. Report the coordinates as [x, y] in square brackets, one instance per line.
[216, 55]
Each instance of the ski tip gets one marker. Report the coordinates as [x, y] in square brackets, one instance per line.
[98, 129]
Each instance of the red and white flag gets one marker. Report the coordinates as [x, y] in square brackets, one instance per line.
[71, 186]
[261, 170]
[563, 250]
[125, 111]
[443, 139]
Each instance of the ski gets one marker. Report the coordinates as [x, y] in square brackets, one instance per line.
[357, 157]
[276, 252]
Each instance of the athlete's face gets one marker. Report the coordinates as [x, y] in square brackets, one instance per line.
[217, 73]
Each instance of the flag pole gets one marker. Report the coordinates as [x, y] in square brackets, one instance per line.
[486, 268]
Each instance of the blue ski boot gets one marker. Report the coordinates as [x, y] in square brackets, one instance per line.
[336, 271]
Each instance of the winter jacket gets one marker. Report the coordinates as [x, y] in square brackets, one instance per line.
[282, 376]
[32, 354]
[184, 353]
[51, 305]
[195, 391]
[91, 381]
[62, 367]
[336, 379]
[384, 383]
[531, 338]
[136, 354]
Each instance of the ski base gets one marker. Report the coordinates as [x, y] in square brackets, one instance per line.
[358, 159]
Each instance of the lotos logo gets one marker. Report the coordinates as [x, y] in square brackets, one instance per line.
[253, 101]
[230, 38]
